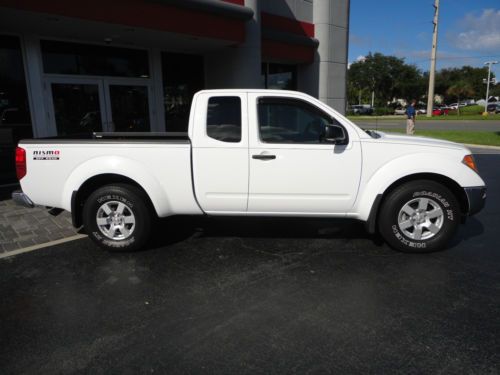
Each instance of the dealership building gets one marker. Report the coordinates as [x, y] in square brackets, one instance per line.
[70, 67]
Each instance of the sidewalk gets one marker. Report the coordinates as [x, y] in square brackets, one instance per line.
[21, 227]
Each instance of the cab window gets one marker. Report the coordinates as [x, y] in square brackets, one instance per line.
[288, 120]
[224, 118]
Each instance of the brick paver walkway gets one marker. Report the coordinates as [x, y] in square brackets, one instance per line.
[22, 227]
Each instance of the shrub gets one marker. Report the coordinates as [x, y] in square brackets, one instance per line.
[468, 111]
[382, 111]
[471, 110]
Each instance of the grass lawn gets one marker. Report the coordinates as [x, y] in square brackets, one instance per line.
[470, 137]
[425, 118]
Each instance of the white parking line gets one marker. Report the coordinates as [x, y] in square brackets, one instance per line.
[42, 245]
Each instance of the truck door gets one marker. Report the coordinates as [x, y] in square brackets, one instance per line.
[292, 169]
[220, 152]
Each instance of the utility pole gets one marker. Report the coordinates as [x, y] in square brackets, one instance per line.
[488, 81]
[432, 73]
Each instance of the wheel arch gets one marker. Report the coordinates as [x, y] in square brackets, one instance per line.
[78, 197]
[452, 185]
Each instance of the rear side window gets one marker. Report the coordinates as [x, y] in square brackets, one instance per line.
[224, 118]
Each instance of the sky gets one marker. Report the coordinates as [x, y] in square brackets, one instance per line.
[468, 33]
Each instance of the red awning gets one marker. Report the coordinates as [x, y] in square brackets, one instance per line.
[208, 19]
[286, 39]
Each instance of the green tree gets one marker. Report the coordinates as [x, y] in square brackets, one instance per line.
[388, 77]
[494, 90]
[473, 77]
[410, 84]
[461, 89]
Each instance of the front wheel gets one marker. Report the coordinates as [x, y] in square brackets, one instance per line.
[118, 218]
[419, 216]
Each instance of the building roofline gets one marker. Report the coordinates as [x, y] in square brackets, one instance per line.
[212, 6]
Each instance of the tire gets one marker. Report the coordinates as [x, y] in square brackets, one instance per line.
[419, 217]
[118, 217]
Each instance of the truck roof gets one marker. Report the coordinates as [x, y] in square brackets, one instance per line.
[268, 91]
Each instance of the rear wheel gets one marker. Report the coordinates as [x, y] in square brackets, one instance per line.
[419, 216]
[118, 218]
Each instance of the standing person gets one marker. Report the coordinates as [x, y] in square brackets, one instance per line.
[410, 114]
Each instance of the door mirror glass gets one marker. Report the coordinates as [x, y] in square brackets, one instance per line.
[336, 134]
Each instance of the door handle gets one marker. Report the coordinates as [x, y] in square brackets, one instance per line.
[264, 157]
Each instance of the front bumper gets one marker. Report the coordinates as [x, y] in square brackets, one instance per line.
[22, 199]
[477, 197]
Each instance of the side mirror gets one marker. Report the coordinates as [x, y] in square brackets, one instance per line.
[336, 134]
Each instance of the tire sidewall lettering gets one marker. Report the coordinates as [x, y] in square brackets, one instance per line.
[442, 201]
[123, 243]
[113, 197]
[113, 243]
[439, 198]
[405, 241]
[134, 198]
[97, 235]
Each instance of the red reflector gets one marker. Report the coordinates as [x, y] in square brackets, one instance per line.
[20, 162]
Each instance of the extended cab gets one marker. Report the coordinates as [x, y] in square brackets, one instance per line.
[259, 153]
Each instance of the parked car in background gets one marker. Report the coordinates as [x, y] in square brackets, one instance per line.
[421, 111]
[400, 111]
[456, 105]
[437, 112]
[440, 111]
[361, 109]
[493, 107]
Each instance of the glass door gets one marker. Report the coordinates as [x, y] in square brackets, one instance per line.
[128, 106]
[77, 106]
[15, 119]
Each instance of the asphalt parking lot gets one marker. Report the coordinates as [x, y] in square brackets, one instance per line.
[258, 296]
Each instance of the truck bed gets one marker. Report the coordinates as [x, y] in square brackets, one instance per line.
[159, 162]
[114, 137]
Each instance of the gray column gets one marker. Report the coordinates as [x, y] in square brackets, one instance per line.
[159, 95]
[238, 67]
[36, 93]
[331, 20]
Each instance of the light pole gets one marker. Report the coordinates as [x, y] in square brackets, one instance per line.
[488, 81]
[432, 72]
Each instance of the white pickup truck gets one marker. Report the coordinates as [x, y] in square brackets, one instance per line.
[255, 153]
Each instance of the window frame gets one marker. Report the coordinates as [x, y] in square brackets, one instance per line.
[266, 67]
[305, 103]
[89, 44]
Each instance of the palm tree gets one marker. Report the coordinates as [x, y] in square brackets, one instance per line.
[460, 89]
